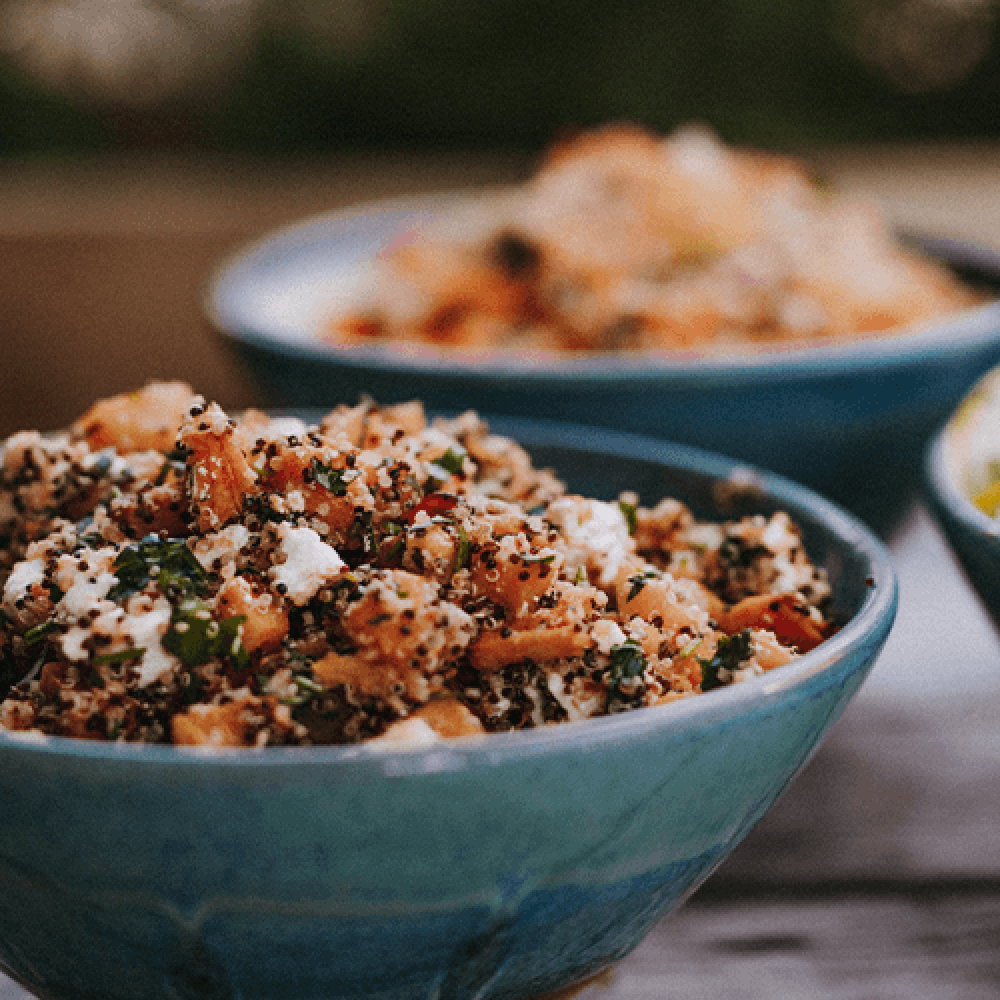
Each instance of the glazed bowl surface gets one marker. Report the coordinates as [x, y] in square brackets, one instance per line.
[500, 867]
[849, 419]
[957, 461]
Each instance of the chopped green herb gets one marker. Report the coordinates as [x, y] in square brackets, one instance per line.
[395, 549]
[132, 653]
[334, 480]
[453, 461]
[39, 632]
[170, 563]
[195, 636]
[638, 582]
[731, 652]
[259, 507]
[690, 648]
[86, 535]
[462, 549]
[169, 465]
[630, 513]
[538, 560]
[628, 662]
[308, 689]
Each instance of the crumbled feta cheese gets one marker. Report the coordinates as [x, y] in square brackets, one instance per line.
[147, 630]
[596, 535]
[580, 700]
[778, 535]
[409, 732]
[85, 582]
[637, 629]
[309, 563]
[787, 578]
[606, 634]
[22, 578]
[287, 427]
[142, 626]
[222, 546]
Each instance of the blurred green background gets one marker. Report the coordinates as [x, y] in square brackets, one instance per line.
[315, 77]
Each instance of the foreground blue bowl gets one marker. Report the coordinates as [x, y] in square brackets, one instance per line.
[850, 420]
[504, 867]
[974, 537]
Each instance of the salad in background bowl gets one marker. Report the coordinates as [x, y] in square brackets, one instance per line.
[769, 321]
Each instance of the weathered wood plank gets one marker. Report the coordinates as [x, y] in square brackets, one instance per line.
[871, 947]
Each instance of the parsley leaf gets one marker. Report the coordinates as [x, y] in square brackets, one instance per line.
[334, 480]
[39, 632]
[638, 582]
[308, 689]
[462, 549]
[259, 507]
[132, 653]
[628, 662]
[451, 463]
[730, 653]
[195, 636]
[170, 465]
[630, 513]
[170, 563]
[538, 560]
[87, 534]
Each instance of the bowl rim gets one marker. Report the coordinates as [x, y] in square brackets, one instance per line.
[953, 335]
[939, 471]
[876, 614]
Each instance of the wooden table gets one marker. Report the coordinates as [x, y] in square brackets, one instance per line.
[877, 876]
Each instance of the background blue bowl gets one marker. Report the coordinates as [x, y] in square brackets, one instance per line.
[850, 420]
[502, 867]
[974, 537]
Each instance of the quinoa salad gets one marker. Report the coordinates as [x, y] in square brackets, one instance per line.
[624, 240]
[172, 574]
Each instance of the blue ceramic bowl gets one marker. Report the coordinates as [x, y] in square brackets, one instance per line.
[953, 454]
[849, 420]
[508, 866]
